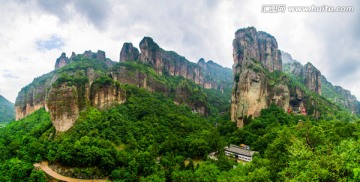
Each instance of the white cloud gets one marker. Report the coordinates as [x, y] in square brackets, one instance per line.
[194, 29]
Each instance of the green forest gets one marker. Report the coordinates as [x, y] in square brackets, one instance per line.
[149, 138]
[7, 112]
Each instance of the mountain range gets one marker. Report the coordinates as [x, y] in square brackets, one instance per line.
[262, 75]
[153, 115]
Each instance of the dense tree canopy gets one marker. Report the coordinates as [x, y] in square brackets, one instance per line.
[149, 138]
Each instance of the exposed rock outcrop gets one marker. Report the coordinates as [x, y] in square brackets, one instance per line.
[312, 78]
[151, 53]
[33, 96]
[100, 55]
[61, 61]
[63, 105]
[309, 74]
[93, 80]
[129, 53]
[64, 94]
[340, 96]
[254, 53]
[170, 63]
[105, 95]
[291, 66]
[260, 46]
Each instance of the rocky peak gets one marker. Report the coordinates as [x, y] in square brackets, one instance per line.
[171, 63]
[340, 96]
[128, 52]
[254, 53]
[260, 46]
[72, 55]
[100, 55]
[61, 61]
[202, 63]
[291, 66]
[88, 54]
[287, 58]
[151, 53]
[312, 78]
[309, 74]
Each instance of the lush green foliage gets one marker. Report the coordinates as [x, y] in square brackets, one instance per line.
[215, 101]
[148, 138]
[7, 112]
[21, 144]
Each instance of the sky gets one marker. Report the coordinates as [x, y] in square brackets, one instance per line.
[34, 33]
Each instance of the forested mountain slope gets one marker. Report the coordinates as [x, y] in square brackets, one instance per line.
[7, 112]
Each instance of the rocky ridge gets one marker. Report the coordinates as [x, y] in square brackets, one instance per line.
[256, 56]
[259, 80]
[308, 74]
[67, 90]
[316, 82]
[340, 96]
[170, 63]
[91, 79]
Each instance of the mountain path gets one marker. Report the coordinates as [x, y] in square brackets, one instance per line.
[45, 167]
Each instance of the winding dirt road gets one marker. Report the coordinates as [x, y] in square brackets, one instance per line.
[45, 167]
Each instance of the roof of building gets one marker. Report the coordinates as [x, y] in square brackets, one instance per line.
[238, 150]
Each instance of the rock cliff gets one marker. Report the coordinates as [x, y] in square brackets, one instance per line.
[257, 61]
[312, 78]
[91, 79]
[206, 74]
[259, 80]
[61, 61]
[66, 91]
[340, 96]
[308, 74]
[291, 66]
[129, 53]
[260, 46]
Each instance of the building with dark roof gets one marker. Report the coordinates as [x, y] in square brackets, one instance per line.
[242, 153]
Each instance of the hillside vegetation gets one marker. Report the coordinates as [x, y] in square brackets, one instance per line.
[149, 138]
[7, 112]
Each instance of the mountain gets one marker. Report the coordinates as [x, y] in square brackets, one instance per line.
[155, 116]
[340, 96]
[259, 80]
[92, 80]
[335, 94]
[7, 112]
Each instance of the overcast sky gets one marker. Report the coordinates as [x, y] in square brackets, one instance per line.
[34, 33]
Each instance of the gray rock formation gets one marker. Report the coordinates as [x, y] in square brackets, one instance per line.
[129, 53]
[255, 54]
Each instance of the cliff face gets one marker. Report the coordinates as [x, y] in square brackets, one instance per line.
[129, 53]
[340, 96]
[151, 53]
[66, 91]
[291, 66]
[90, 79]
[170, 63]
[33, 96]
[63, 106]
[260, 46]
[259, 80]
[61, 61]
[312, 78]
[255, 57]
[309, 74]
